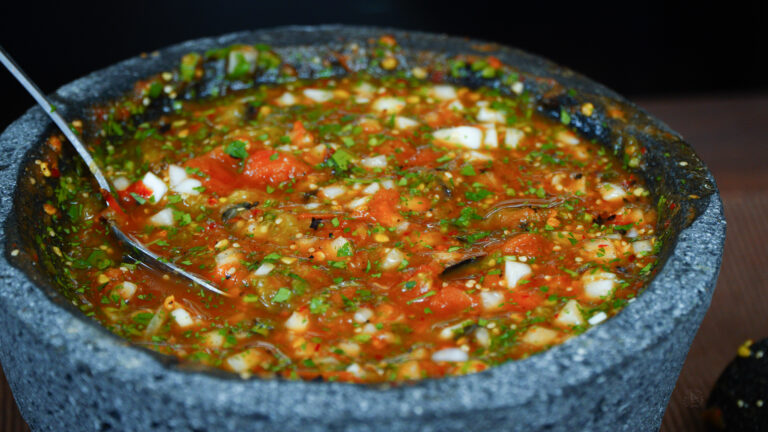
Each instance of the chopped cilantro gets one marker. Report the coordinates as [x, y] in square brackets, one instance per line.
[341, 159]
[282, 295]
[139, 199]
[467, 170]
[468, 215]
[317, 305]
[344, 251]
[236, 149]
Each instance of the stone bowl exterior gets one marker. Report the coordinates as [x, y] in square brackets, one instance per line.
[68, 373]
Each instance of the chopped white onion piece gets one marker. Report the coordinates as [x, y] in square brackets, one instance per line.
[388, 105]
[176, 174]
[512, 137]
[488, 115]
[443, 92]
[264, 269]
[567, 137]
[332, 192]
[405, 123]
[126, 290]
[388, 184]
[600, 248]
[371, 189]
[392, 259]
[213, 339]
[642, 247]
[598, 318]
[491, 299]
[182, 317]
[514, 271]
[456, 106]
[483, 337]
[611, 192]
[539, 336]
[402, 227]
[351, 349]
[570, 315]
[286, 99]
[364, 89]
[121, 183]
[358, 203]
[157, 186]
[297, 322]
[491, 138]
[362, 315]
[476, 156]
[355, 370]
[450, 355]
[318, 95]
[338, 243]
[463, 136]
[243, 362]
[227, 257]
[448, 332]
[162, 218]
[598, 285]
[379, 161]
[188, 187]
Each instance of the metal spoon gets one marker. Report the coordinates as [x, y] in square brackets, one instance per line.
[143, 254]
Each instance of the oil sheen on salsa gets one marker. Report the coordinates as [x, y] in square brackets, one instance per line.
[366, 229]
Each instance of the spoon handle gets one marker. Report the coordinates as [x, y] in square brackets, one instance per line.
[57, 119]
[144, 254]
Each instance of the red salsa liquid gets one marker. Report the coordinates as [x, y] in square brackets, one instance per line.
[365, 230]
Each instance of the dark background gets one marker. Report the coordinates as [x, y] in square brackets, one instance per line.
[646, 49]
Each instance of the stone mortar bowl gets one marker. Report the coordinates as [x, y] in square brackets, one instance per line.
[68, 373]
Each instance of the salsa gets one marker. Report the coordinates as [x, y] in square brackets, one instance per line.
[365, 229]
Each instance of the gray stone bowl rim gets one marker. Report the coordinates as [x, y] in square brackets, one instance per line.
[547, 376]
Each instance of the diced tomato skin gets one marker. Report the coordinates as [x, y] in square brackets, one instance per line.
[400, 150]
[138, 188]
[425, 157]
[526, 244]
[263, 168]
[449, 301]
[300, 136]
[219, 169]
[383, 208]
[524, 300]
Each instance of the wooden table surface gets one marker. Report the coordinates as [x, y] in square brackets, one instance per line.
[730, 134]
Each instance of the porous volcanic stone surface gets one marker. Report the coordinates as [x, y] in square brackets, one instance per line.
[69, 374]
